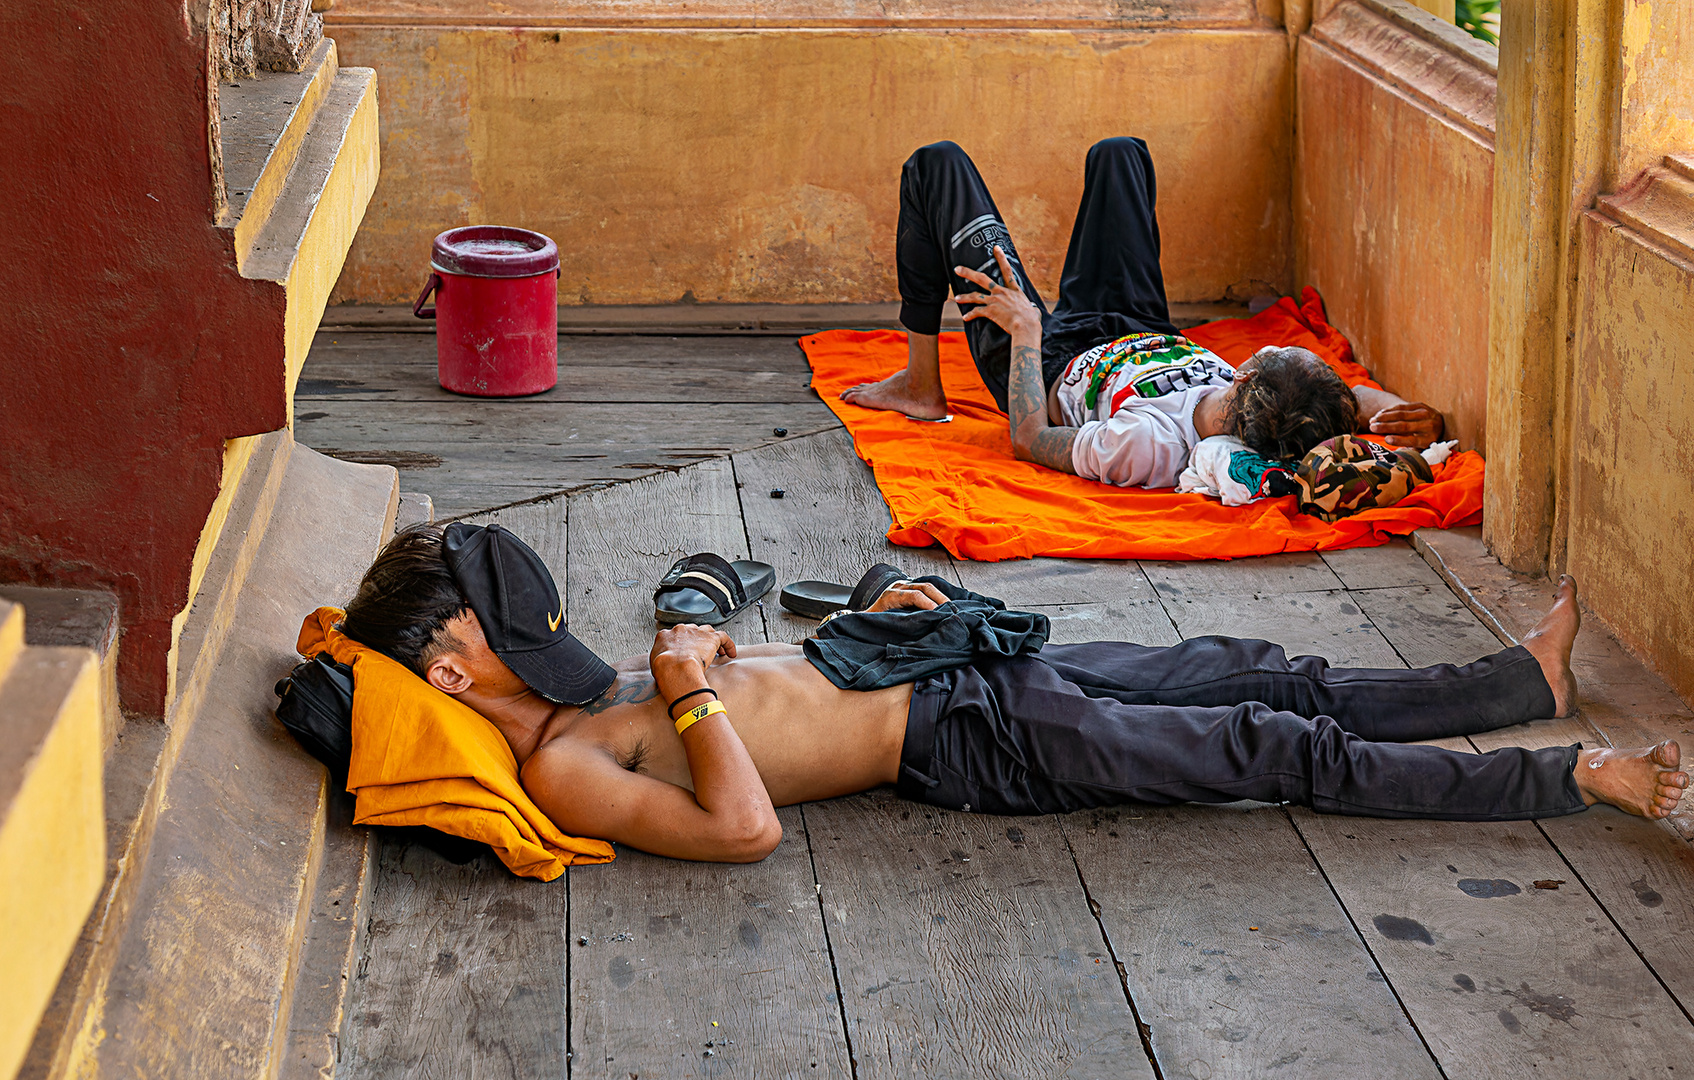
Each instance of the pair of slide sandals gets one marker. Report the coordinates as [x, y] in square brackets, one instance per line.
[815, 599]
[708, 589]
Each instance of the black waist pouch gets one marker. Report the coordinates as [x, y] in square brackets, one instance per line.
[316, 706]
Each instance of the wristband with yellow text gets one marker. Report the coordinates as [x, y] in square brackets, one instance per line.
[670, 710]
[694, 716]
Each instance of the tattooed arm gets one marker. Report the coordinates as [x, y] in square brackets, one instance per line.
[1033, 438]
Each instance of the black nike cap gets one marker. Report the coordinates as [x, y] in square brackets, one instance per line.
[513, 595]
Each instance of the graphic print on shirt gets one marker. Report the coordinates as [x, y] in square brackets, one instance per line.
[976, 241]
[1161, 364]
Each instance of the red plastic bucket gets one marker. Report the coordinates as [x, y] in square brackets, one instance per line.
[496, 310]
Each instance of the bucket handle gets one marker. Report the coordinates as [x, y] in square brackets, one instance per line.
[430, 286]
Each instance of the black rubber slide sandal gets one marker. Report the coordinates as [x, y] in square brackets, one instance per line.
[708, 589]
[815, 599]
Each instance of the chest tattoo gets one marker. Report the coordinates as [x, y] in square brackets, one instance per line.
[633, 694]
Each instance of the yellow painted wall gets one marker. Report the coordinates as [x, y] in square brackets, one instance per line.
[1656, 88]
[1632, 467]
[1393, 207]
[335, 222]
[52, 830]
[763, 166]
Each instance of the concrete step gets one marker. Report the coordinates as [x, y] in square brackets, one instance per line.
[301, 159]
[263, 121]
[79, 618]
[190, 963]
[52, 847]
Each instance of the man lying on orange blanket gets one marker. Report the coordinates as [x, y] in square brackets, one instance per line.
[1103, 386]
[960, 703]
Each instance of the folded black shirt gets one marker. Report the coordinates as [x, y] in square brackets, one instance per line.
[876, 650]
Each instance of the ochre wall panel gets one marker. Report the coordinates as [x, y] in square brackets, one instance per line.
[763, 166]
[1632, 468]
[1657, 106]
[1393, 209]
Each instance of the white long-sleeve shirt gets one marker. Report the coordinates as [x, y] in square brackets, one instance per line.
[1132, 401]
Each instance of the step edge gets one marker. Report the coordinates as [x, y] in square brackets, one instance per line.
[355, 857]
[130, 823]
[12, 615]
[55, 1052]
[246, 215]
[318, 1019]
[200, 644]
[275, 248]
[207, 620]
[299, 933]
[60, 682]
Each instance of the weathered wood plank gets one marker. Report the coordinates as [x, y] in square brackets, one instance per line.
[1142, 622]
[462, 973]
[647, 1007]
[1502, 978]
[1237, 954]
[1384, 566]
[623, 540]
[830, 524]
[576, 385]
[1086, 599]
[964, 946]
[541, 525]
[671, 960]
[1265, 575]
[474, 456]
[422, 425]
[1260, 866]
[1327, 624]
[359, 355]
[403, 367]
[1020, 582]
[1641, 872]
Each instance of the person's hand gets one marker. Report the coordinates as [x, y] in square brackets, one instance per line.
[679, 645]
[1410, 424]
[1007, 307]
[909, 595]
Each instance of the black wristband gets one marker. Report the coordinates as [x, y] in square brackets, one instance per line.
[685, 697]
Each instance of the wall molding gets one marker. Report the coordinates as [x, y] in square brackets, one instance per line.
[808, 14]
[1659, 206]
[1436, 65]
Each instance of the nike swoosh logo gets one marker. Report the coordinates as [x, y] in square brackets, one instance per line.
[553, 620]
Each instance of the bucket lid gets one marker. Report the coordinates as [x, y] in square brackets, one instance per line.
[494, 251]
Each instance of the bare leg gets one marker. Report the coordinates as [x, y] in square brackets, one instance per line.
[916, 391]
[1645, 782]
[1550, 642]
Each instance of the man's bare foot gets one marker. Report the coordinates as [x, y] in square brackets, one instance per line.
[899, 393]
[1550, 642]
[1645, 782]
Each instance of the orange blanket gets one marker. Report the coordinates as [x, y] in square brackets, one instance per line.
[422, 758]
[958, 484]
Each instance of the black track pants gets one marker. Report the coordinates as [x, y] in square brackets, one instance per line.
[1219, 719]
[1111, 285]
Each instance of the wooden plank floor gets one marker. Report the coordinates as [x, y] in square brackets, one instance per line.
[625, 407]
[891, 939]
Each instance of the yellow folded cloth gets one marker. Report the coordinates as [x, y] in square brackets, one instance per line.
[420, 757]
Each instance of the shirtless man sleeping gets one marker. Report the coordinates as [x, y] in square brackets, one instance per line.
[686, 752]
[1102, 386]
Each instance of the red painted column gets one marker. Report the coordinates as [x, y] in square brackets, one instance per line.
[130, 348]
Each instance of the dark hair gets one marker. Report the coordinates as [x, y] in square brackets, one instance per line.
[406, 599]
[1292, 402]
